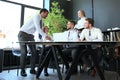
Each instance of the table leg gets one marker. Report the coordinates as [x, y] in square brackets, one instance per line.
[69, 72]
[42, 63]
[63, 57]
[99, 71]
[96, 63]
[56, 63]
[74, 63]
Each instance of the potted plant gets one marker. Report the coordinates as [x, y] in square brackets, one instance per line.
[55, 20]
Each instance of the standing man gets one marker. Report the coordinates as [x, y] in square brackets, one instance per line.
[26, 34]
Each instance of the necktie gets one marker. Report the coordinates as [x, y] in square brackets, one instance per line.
[89, 33]
[40, 36]
[67, 46]
[41, 24]
[68, 34]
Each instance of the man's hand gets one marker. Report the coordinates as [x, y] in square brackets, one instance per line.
[48, 38]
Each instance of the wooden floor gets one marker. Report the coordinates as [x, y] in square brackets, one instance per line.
[12, 75]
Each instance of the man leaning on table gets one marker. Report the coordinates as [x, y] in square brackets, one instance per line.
[91, 33]
[26, 34]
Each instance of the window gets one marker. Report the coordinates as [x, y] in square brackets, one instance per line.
[10, 19]
[35, 3]
[9, 23]
[29, 12]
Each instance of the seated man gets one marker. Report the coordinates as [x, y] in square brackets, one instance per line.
[91, 33]
[71, 50]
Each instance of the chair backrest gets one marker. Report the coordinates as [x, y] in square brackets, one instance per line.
[16, 49]
[16, 52]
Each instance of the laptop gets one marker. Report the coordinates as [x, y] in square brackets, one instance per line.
[59, 37]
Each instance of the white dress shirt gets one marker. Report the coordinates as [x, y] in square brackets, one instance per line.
[71, 35]
[95, 34]
[80, 23]
[33, 25]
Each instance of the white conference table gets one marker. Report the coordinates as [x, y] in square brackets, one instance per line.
[67, 43]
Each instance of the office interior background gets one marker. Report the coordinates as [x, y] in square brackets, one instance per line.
[13, 13]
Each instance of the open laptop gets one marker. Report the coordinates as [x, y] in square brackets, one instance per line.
[59, 37]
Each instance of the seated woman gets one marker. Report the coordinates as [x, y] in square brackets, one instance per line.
[46, 49]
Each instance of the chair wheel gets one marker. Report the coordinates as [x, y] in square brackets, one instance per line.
[92, 72]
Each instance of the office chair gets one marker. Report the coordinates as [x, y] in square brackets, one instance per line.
[112, 58]
[117, 59]
[17, 53]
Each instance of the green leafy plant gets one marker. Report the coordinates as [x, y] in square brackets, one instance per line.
[55, 20]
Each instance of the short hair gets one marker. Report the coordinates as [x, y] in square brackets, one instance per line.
[43, 10]
[90, 20]
[73, 22]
